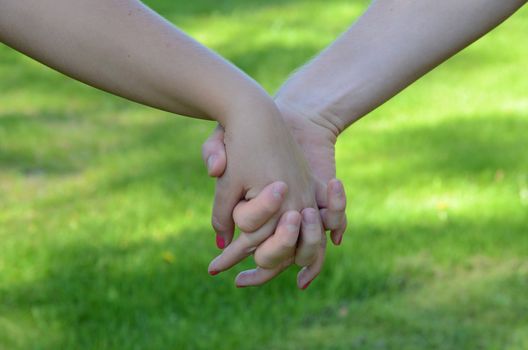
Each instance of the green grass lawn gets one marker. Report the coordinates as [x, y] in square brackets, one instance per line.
[105, 204]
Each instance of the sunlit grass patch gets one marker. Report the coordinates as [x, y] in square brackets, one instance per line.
[105, 205]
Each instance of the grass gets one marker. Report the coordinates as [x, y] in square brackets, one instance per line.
[104, 206]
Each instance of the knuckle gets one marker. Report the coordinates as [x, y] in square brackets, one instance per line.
[265, 261]
[339, 205]
[247, 223]
[305, 260]
[333, 223]
[288, 243]
[312, 240]
[247, 243]
[269, 207]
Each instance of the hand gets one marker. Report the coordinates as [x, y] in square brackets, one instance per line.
[317, 138]
[317, 142]
[249, 169]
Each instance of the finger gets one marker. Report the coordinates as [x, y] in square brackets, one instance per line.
[336, 231]
[259, 276]
[281, 245]
[244, 245]
[310, 239]
[226, 198]
[214, 154]
[334, 215]
[250, 215]
[237, 251]
[337, 234]
[336, 204]
[321, 190]
[309, 273]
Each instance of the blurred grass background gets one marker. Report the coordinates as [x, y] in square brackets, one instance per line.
[105, 204]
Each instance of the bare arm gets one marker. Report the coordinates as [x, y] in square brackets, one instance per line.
[394, 43]
[123, 47]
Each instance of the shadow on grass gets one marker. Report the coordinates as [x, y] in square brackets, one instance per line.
[469, 146]
[477, 307]
[156, 294]
[56, 142]
[61, 143]
[150, 294]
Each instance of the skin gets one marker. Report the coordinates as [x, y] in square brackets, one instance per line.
[126, 49]
[391, 45]
[276, 253]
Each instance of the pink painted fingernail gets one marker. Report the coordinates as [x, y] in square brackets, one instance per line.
[214, 273]
[339, 239]
[220, 242]
[306, 285]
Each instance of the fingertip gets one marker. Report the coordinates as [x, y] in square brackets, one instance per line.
[223, 226]
[292, 225]
[242, 279]
[278, 190]
[292, 217]
[304, 278]
[212, 168]
[216, 165]
[222, 238]
[335, 185]
[336, 237]
[212, 269]
[220, 241]
[336, 195]
[309, 216]
[337, 234]
[301, 278]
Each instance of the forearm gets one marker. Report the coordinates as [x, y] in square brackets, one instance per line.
[394, 43]
[127, 49]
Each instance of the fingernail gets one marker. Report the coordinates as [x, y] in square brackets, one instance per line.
[339, 239]
[239, 286]
[306, 285]
[278, 190]
[220, 242]
[210, 161]
[309, 216]
[337, 188]
[292, 222]
[214, 273]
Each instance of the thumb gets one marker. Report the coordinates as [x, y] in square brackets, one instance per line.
[214, 154]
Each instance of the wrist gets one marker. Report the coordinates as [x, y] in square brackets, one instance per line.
[297, 111]
[247, 105]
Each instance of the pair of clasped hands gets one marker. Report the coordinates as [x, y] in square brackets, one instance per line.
[274, 158]
[283, 222]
